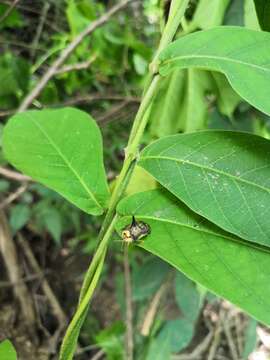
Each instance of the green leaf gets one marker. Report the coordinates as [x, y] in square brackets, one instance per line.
[263, 13]
[53, 223]
[221, 175]
[7, 351]
[159, 349]
[250, 339]
[13, 20]
[201, 18]
[14, 75]
[235, 270]
[140, 181]
[140, 64]
[241, 54]
[19, 216]
[111, 341]
[62, 149]
[148, 278]
[4, 185]
[77, 19]
[187, 297]
[179, 332]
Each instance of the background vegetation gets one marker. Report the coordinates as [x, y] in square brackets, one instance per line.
[41, 275]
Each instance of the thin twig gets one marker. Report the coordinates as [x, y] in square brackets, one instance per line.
[21, 44]
[129, 312]
[151, 311]
[229, 337]
[75, 67]
[12, 197]
[68, 51]
[14, 175]
[81, 99]
[114, 111]
[6, 284]
[97, 97]
[41, 23]
[56, 308]
[9, 10]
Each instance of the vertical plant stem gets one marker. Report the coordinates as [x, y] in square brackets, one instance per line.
[72, 333]
[129, 312]
[177, 10]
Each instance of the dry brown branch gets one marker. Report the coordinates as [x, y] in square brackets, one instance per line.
[9, 254]
[12, 197]
[129, 312]
[14, 175]
[9, 10]
[56, 308]
[68, 51]
[151, 311]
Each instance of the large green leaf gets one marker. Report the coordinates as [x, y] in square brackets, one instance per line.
[236, 270]
[7, 351]
[263, 13]
[242, 55]
[222, 175]
[63, 150]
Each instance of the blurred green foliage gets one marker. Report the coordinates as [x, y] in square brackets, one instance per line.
[120, 53]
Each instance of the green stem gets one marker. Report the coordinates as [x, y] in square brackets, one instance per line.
[72, 333]
[177, 11]
[92, 276]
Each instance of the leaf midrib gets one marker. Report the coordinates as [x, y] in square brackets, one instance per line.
[220, 172]
[65, 160]
[213, 57]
